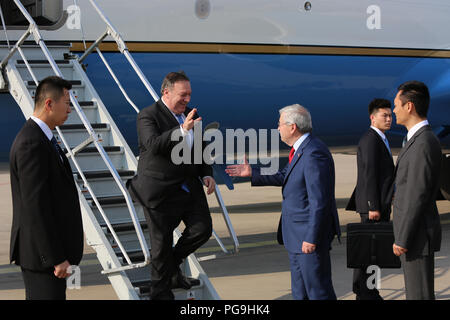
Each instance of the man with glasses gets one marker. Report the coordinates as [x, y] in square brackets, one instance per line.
[309, 219]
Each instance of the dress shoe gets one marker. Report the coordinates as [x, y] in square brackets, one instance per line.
[369, 297]
[164, 296]
[180, 281]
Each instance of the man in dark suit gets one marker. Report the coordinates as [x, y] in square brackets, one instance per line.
[309, 219]
[372, 196]
[417, 227]
[47, 232]
[170, 192]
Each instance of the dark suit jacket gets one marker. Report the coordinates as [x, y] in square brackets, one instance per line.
[374, 187]
[416, 219]
[47, 226]
[157, 176]
[309, 207]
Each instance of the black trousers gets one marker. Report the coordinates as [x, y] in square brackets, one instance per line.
[360, 276]
[192, 209]
[43, 285]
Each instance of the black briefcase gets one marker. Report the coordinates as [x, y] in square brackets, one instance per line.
[371, 244]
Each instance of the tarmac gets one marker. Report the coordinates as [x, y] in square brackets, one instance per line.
[260, 270]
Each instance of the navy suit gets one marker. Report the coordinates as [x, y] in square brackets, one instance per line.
[308, 214]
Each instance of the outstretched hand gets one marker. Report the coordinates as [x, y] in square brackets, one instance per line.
[239, 170]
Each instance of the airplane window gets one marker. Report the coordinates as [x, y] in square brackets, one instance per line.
[44, 12]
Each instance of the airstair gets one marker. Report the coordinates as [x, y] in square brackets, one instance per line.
[101, 161]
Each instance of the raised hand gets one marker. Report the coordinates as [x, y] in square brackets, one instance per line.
[190, 122]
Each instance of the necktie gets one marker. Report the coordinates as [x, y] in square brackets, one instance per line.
[386, 142]
[181, 121]
[179, 118]
[291, 154]
[57, 148]
[405, 139]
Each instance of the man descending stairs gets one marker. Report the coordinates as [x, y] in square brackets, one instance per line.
[101, 161]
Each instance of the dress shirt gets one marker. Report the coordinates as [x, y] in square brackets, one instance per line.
[383, 137]
[415, 128]
[44, 127]
[300, 140]
[188, 134]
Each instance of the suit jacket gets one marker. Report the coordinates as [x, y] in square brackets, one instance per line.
[309, 207]
[416, 219]
[373, 191]
[47, 227]
[157, 176]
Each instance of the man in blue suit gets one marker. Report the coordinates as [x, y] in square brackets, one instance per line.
[309, 219]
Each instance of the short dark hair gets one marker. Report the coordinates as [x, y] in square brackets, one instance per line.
[171, 78]
[50, 87]
[378, 103]
[416, 92]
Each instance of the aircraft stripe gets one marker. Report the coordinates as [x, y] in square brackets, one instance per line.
[175, 47]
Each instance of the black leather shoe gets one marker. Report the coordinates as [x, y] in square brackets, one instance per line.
[369, 297]
[180, 281]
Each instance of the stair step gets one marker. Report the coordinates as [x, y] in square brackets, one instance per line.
[108, 200]
[144, 285]
[135, 256]
[72, 82]
[94, 149]
[124, 227]
[105, 174]
[84, 103]
[43, 62]
[82, 127]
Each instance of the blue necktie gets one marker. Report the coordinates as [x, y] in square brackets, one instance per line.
[181, 121]
[405, 139]
[179, 118]
[387, 145]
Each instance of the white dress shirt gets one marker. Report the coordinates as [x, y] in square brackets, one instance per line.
[300, 140]
[188, 134]
[416, 128]
[44, 127]
[383, 137]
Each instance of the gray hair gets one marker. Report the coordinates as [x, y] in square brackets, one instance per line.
[299, 115]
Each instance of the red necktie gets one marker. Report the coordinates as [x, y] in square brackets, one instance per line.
[291, 154]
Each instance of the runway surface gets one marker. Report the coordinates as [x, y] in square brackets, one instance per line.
[260, 270]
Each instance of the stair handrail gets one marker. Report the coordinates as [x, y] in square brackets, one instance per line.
[112, 31]
[34, 30]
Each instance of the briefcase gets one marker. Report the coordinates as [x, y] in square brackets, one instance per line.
[371, 244]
